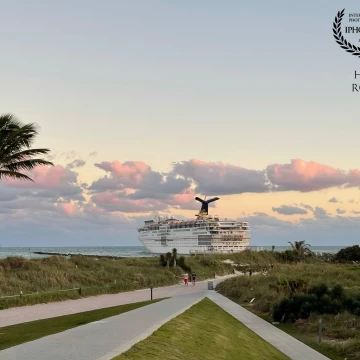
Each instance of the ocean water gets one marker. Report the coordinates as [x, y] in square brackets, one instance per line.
[125, 251]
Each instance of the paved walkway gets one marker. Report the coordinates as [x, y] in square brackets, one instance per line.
[103, 340]
[288, 345]
[44, 311]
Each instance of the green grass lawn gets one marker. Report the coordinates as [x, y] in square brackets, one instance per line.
[205, 331]
[21, 333]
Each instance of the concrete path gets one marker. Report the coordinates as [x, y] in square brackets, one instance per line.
[44, 311]
[103, 340]
[288, 345]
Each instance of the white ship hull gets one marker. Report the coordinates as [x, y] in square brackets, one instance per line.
[193, 241]
[206, 234]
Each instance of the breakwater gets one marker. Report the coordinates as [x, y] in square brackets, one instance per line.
[70, 254]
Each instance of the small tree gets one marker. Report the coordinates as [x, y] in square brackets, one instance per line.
[162, 260]
[300, 247]
[174, 256]
[16, 148]
[168, 257]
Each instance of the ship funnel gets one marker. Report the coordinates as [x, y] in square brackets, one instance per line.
[205, 204]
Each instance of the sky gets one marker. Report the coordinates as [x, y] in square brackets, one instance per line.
[147, 104]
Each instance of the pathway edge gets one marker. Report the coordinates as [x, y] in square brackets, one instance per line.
[148, 332]
[295, 349]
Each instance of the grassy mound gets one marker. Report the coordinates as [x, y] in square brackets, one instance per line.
[205, 331]
[44, 278]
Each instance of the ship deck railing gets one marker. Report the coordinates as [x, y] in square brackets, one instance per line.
[223, 251]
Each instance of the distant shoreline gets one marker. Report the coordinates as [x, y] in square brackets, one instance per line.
[116, 252]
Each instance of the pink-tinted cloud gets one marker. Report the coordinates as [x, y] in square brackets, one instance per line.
[68, 208]
[43, 177]
[224, 179]
[136, 180]
[304, 176]
[129, 174]
[51, 183]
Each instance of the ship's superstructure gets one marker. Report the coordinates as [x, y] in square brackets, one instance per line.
[205, 234]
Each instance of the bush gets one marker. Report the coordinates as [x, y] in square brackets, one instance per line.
[319, 290]
[288, 256]
[15, 262]
[320, 299]
[348, 254]
[181, 263]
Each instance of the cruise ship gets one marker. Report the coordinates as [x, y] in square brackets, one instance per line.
[204, 234]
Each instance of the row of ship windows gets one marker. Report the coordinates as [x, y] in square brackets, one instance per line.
[198, 228]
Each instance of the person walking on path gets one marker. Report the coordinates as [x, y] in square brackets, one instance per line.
[193, 278]
[186, 278]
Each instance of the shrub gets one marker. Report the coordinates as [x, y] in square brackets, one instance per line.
[288, 256]
[181, 263]
[348, 254]
[319, 289]
[15, 262]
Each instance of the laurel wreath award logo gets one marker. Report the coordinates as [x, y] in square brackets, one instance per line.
[352, 49]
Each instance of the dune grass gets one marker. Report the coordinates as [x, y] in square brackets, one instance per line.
[341, 335]
[43, 278]
[205, 331]
[21, 333]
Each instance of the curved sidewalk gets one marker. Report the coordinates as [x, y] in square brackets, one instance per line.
[49, 310]
[104, 339]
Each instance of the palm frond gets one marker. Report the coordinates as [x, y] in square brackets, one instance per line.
[24, 155]
[16, 154]
[13, 175]
[26, 164]
[23, 136]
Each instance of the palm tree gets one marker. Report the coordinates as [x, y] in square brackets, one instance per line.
[16, 154]
[300, 247]
[168, 257]
[174, 256]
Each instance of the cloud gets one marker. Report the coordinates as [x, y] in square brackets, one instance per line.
[304, 176]
[289, 210]
[93, 154]
[52, 182]
[130, 182]
[76, 164]
[308, 207]
[321, 231]
[133, 186]
[52, 189]
[333, 200]
[111, 202]
[340, 211]
[212, 178]
[61, 206]
[320, 212]
[262, 220]
[221, 179]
